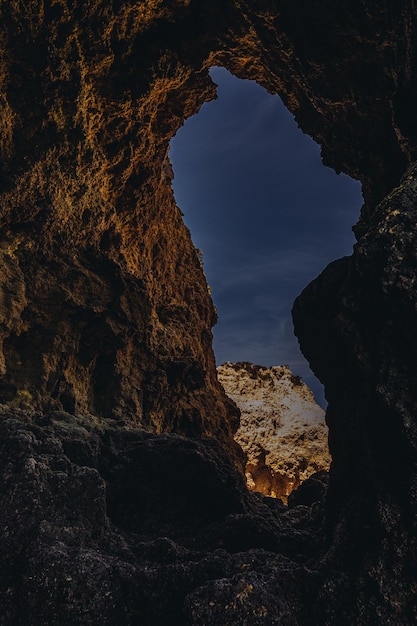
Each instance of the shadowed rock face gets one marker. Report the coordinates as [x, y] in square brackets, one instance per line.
[356, 323]
[104, 312]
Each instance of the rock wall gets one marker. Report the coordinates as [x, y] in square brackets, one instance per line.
[282, 429]
[357, 325]
[105, 315]
[105, 308]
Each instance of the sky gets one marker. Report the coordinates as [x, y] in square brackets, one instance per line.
[268, 216]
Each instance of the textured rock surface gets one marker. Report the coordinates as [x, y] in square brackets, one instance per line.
[105, 307]
[357, 324]
[101, 524]
[104, 311]
[104, 304]
[282, 429]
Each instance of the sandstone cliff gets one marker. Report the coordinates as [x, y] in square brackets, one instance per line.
[282, 429]
[119, 502]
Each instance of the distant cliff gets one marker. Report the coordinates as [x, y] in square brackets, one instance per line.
[282, 429]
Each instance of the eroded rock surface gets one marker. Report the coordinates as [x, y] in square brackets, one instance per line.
[103, 524]
[361, 312]
[105, 307]
[282, 429]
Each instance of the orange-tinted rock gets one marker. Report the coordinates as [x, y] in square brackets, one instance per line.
[282, 429]
[106, 307]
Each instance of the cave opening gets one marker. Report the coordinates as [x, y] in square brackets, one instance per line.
[267, 215]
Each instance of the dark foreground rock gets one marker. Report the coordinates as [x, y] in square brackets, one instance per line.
[105, 525]
[357, 324]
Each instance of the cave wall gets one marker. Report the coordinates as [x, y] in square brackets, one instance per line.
[103, 302]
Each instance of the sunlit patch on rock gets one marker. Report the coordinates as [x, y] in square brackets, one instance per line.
[282, 428]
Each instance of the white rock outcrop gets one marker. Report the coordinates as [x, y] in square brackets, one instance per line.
[282, 428]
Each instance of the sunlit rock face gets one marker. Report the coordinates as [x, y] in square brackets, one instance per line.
[282, 429]
[103, 302]
[105, 309]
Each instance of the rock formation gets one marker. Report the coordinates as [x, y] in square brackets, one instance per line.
[111, 408]
[281, 430]
[356, 325]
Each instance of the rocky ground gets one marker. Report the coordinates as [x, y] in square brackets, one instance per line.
[104, 524]
[282, 429]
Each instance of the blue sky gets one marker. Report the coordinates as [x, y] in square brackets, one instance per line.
[266, 213]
